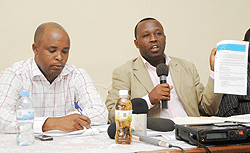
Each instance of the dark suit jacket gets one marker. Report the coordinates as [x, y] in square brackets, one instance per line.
[236, 104]
[134, 77]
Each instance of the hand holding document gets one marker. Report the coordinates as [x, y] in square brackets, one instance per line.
[231, 67]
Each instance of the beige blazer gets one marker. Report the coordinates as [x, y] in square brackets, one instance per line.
[134, 77]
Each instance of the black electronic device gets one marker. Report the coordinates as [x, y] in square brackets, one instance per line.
[220, 133]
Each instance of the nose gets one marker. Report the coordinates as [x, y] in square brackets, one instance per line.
[58, 56]
[153, 38]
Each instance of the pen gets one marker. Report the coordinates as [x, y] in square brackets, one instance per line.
[78, 108]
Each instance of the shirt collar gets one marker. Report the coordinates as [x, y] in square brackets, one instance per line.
[147, 64]
[35, 71]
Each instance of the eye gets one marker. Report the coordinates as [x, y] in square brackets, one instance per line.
[158, 33]
[146, 35]
[65, 51]
[52, 50]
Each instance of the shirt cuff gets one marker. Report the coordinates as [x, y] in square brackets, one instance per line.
[148, 101]
[38, 124]
[211, 74]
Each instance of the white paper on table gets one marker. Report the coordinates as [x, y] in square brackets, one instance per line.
[231, 67]
[198, 120]
[245, 118]
[84, 132]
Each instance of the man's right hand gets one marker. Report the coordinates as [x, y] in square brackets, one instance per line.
[160, 92]
[212, 58]
[67, 123]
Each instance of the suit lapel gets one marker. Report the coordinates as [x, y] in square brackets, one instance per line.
[142, 75]
[180, 82]
[175, 71]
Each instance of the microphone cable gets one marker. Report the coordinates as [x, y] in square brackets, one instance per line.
[190, 136]
[156, 142]
[172, 146]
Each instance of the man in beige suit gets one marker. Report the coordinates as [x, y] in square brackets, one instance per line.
[185, 94]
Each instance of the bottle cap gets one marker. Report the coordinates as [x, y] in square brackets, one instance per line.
[25, 93]
[123, 92]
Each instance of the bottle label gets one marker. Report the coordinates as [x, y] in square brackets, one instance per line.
[25, 114]
[123, 115]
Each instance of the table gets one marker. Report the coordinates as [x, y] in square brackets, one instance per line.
[227, 149]
[89, 144]
[102, 143]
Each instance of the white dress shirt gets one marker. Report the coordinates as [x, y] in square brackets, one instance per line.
[175, 108]
[50, 100]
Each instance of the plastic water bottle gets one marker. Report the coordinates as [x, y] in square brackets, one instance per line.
[25, 120]
[123, 117]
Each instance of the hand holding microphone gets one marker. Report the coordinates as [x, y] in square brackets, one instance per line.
[162, 91]
[162, 72]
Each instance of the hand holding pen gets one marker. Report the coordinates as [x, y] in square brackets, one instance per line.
[80, 111]
[68, 123]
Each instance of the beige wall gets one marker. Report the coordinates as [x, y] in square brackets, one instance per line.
[101, 31]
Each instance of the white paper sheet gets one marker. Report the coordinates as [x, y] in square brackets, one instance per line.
[240, 118]
[231, 67]
[198, 120]
[94, 130]
[213, 119]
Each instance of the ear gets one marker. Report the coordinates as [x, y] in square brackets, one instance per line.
[136, 43]
[35, 48]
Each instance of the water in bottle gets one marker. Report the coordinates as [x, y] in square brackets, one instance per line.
[25, 120]
[123, 118]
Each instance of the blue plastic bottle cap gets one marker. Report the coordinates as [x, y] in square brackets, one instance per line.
[25, 93]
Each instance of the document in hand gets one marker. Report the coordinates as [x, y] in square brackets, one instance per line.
[231, 67]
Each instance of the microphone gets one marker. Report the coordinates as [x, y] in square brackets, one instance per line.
[139, 116]
[154, 141]
[156, 124]
[160, 124]
[162, 72]
[112, 130]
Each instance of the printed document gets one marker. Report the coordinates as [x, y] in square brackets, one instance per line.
[231, 67]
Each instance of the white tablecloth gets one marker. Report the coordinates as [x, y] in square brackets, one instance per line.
[97, 143]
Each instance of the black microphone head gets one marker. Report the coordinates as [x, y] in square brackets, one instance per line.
[139, 106]
[160, 124]
[162, 69]
[112, 130]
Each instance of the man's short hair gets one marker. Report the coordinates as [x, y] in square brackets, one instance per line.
[247, 35]
[145, 19]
